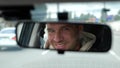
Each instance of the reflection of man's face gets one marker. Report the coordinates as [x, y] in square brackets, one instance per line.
[63, 36]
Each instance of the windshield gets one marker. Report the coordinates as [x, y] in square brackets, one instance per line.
[88, 12]
[100, 12]
[14, 56]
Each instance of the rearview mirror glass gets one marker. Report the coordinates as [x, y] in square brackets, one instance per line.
[66, 36]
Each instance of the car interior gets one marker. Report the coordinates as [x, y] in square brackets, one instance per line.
[27, 16]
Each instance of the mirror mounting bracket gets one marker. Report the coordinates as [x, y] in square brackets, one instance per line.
[62, 16]
[60, 51]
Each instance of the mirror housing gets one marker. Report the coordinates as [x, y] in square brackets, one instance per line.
[32, 35]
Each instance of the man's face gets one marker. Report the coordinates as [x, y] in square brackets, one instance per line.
[63, 36]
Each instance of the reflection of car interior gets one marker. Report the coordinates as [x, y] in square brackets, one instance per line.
[98, 31]
[36, 33]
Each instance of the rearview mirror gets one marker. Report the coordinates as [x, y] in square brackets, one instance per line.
[66, 36]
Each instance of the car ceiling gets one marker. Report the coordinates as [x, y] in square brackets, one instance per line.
[30, 2]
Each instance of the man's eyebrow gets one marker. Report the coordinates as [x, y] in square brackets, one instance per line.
[49, 29]
[68, 25]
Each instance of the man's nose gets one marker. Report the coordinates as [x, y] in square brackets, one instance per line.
[58, 37]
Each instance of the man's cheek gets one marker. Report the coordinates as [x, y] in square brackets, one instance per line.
[50, 38]
[68, 36]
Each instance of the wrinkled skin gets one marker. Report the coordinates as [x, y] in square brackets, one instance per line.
[64, 36]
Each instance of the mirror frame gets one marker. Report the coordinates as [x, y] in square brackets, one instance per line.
[107, 36]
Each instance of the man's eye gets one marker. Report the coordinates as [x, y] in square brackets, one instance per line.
[50, 31]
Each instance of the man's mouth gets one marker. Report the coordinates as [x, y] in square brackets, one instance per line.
[60, 46]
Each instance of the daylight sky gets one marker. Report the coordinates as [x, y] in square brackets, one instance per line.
[79, 8]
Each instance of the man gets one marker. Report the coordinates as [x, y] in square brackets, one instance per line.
[68, 37]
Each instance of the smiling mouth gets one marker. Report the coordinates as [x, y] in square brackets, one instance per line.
[60, 47]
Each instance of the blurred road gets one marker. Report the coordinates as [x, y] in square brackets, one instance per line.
[116, 43]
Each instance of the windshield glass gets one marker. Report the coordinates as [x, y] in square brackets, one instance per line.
[100, 12]
[89, 12]
[13, 55]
